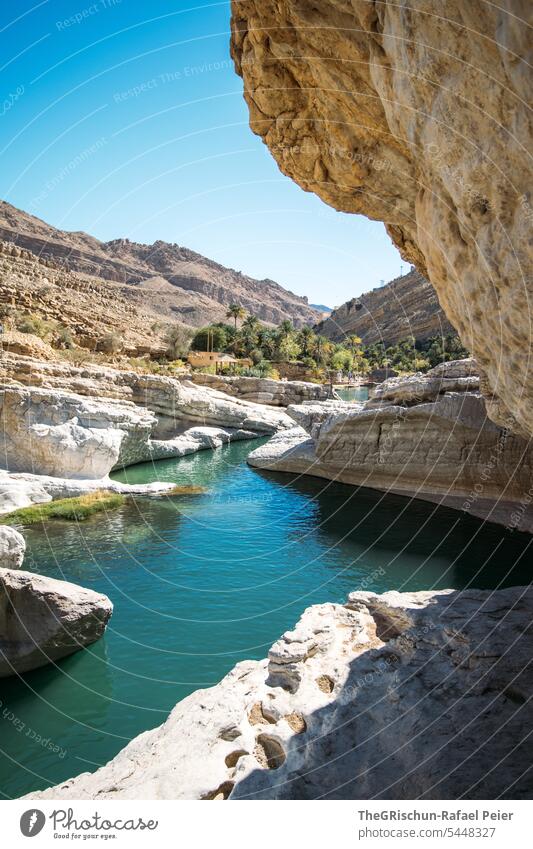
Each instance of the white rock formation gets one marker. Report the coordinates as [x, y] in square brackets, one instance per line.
[377, 698]
[263, 390]
[414, 438]
[51, 434]
[42, 620]
[12, 548]
[55, 432]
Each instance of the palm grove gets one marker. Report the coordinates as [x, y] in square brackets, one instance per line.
[245, 336]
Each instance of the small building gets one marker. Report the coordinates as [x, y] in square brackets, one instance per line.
[203, 359]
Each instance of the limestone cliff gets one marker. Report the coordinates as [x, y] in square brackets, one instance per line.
[407, 306]
[416, 115]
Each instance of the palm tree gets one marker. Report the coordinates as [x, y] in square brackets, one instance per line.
[235, 312]
[354, 342]
[250, 322]
[286, 328]
[305, 337]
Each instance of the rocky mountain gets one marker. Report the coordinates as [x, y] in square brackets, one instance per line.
[407, 306]
[417, 120]
[180, 283]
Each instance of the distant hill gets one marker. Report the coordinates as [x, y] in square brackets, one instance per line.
[407, 306]
[321, 308]
[183, 284]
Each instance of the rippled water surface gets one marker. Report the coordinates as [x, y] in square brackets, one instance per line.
[202, 582]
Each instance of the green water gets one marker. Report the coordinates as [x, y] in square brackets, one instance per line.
[203, 582]
[353, 393]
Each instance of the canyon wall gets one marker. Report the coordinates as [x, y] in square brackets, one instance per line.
[413, 116]
[406, 306]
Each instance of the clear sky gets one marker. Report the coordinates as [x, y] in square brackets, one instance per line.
[125, 118]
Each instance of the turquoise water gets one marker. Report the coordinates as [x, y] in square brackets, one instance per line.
[202, 582]
[354, 393]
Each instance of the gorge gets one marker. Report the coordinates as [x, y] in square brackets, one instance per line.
[386, 539]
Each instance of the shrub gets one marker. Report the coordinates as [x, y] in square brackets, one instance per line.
[109, 343]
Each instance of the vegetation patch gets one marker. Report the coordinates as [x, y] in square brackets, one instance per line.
[70, 509]
[187, 489]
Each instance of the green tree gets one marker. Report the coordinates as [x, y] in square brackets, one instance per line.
[235, 312]
[211, 338]
[305, 340]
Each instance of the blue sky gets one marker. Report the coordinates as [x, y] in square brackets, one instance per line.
[125, 118]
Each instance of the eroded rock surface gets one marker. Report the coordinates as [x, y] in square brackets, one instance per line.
[416, 117]
[61, 422]
[376, 698]
[262, 390]
[43, 620]
[12, 548]
[425, 436]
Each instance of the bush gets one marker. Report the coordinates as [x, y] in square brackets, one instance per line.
[64, 338]
[178, 339]
[109, 343]
[210, 338]
[32, 323]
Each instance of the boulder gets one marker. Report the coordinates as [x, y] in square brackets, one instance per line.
[43, 620]
[417, 119]
[12, 548]
[376, 698]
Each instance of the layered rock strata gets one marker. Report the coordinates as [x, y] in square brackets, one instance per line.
[261, 390]
[58, 443]
[404, 308]
[427, 436]
[376, 698]
[418, 118]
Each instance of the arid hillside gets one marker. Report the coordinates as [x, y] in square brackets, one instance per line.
[407, 306]
[171, 280]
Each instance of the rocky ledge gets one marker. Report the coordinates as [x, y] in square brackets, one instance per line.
[64, 428]
[262, 390]
[372, 699]
[426, 436]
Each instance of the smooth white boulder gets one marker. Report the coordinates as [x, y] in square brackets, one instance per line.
[12, 548]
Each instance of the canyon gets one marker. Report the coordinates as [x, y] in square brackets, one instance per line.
[413, 117]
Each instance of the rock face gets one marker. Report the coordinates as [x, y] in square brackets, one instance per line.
[405, 307]
[59, 443]
[175, 404]
[42, 620]
[418, 119]
[12, 548]
[46, 431]
[261, 390]
[112, 419]
[372, 699]
[427, 436]
[127, 283]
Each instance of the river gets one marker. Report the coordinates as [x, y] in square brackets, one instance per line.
[201, 582]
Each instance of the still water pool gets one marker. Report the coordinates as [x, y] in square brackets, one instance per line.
[202, 582]
[353, 393]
